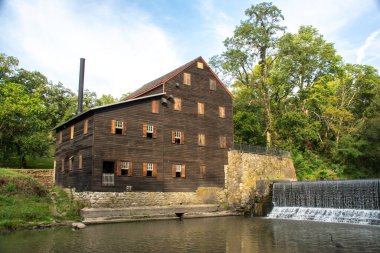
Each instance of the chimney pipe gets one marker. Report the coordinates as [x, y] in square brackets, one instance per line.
[81, 83]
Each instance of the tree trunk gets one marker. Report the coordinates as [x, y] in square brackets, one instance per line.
[23, 161]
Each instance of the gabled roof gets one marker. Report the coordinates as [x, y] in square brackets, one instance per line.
[165, 78]
[92, 110]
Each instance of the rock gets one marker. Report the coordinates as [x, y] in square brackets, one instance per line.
[78, 225]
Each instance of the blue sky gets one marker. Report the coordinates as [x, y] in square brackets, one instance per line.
[128, 43]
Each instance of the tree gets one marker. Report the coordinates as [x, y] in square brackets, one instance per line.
[105, 100]
[22, 132]
[250, 53]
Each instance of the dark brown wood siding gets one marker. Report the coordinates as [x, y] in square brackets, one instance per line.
[81, 144]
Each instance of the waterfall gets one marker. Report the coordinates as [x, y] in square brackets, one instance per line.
[349, 201]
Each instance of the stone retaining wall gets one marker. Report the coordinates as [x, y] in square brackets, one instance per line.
[46, 177]
[244, 169]
[135, 199]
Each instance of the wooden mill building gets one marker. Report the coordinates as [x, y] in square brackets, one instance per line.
[172, 134]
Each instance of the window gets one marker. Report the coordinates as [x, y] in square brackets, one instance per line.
[155, 106]
[150, 169]
[222, 142]
[80, 162]
[222, 112]
[59, 137]
[71, 132]
[201, 139]
[200, 65]
[212, 84]
[187, 78]
[108, 173]
[179, 170]
[177, 104]
[149, 131]
[124, 168]
[178, 137]
[201, 108]
[118, 127]
[202, 171]
[85, 126]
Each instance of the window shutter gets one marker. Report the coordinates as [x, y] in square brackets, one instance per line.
[145, 128]
[155, 106]
[173, 170]
[124, 128]
[173, 136]
[59, 137]
[183, 170]
[71, 132]
[145, 167]
[80, 165]
[154, 131]
[130, 169]
[182, 138]
[202, 171]
[187, 78]
[113, 126]
[118, 168]
[154, 174]
[85, 126]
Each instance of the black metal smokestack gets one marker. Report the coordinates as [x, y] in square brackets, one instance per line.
[81, 83]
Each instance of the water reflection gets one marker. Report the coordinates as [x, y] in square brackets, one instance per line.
[229, 234]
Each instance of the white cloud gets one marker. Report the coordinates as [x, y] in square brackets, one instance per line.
[370, 49]
[122, 45]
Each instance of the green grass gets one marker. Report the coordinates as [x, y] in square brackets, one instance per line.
[25, 202]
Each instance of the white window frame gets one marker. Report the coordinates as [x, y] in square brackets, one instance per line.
[150, 129]
[177, 135]
[124, 165]
[178, 168]
[119, 124]
[149, 167]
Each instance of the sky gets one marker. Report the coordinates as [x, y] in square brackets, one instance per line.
[129, 43]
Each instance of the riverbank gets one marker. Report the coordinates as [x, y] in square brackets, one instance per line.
[26, 203]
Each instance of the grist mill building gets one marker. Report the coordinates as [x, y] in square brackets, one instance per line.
[172, 134]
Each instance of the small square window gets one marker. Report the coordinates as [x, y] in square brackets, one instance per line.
[119, 127]
[149, 170]
[124, 167]
[149, 131]
[177, 137]
[200, 65]
[187, 78]
[177, 104]
[212, 84]
[178, 170]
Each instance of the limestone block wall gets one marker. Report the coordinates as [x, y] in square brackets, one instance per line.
[203, 195]
[245, 168]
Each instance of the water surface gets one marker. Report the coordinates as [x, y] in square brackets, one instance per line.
[228, 234]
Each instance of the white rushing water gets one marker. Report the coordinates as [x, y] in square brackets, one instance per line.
[354, 216]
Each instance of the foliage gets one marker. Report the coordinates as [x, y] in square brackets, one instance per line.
[295, 92]
[26, 202]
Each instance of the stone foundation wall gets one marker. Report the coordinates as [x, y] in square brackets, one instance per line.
[244, 169]
[46, 177]
[135, 199]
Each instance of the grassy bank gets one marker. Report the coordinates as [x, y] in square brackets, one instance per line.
[25, 202]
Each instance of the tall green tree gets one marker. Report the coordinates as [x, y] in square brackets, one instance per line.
[250, 53]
